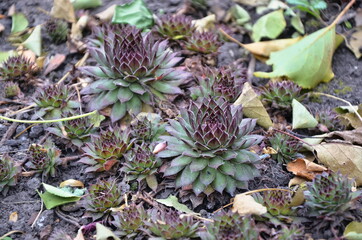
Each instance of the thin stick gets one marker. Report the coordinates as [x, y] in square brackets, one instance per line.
[37, 217]
[291, 135]
[9, 233]
[23, 109]
[26, 129]
[340, 99]
[78, 64]
[231, 38]
[343, 12]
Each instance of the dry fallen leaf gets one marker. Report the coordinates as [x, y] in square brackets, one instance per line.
[106, 15]
[246, 204]
[54, 63]
[354, 41]
[252, 106]
[63, 9]
[352, 136]
[13, 217]
[342, 157]
[71, 183]
[205, 24]
[305, 168]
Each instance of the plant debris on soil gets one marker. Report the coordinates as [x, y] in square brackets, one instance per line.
[180, 119]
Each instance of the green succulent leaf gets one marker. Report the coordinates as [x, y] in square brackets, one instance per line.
[220, 182]
[187, 177]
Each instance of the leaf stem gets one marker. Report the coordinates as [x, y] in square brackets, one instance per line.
[342, 13]
[49, 121]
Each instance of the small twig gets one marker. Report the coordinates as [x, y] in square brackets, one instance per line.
[78, 64]
[10, 130]
[11, 232]
[30, 173]
[67, 218]
[26, 129]
[231, 38]
[65, 160]
[293, 136]
[251, 68]
[79, 99]
[349, 5]
[23, 109]
[37, 217]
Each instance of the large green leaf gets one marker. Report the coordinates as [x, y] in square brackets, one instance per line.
[54, 196]
[270, 25]
[134, 13]
[172, 201]
[307, 62]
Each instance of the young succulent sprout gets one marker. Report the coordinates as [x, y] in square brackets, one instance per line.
[330, 194]
[287, 147]
[132, 70]
[203, 42]
[11, 90]
[281, 94]
[103, 152]
[57, 30]
[328, 120]
[209, 145]
[130, 221]
[55, 100]
[45, 158]
[226, 82]
[229, 225]
[278, 202]
[292, 232]
[8, 174]
[16, 68]
[101, 197]
[175, 27]
[168, 224]
[147, 127]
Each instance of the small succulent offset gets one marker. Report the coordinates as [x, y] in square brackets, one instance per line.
[329, 119]
[105, 151]
[278, 202]
[294, 232]
[57, 30]
[8, 172]
[330, 194]
[203, 42]
[169, 225]
[130, 221]
[209, 146]
[281, 94]
[175, 27]
[225, 81]
[140, 163]
[287, 148]
[229, 225]
[55, 100]
[11, 90]
[16, 68]
[147, 127]
[45, 158]
[101, 197]
[132, 70]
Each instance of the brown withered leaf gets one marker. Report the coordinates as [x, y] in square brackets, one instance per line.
[54, 63]
[353, 136]
[63, 9]
[353, 40]
[13, 217]
[346, 158]
[305, 168]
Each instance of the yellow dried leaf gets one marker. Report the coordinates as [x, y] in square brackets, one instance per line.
[13, 217]
[71, 183]
[63, 9]
[205, 24]
[246, 204]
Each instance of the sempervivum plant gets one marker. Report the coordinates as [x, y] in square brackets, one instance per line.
[209, 145]
[229, 225]
[7, 174]
[130, 221]
[11, 90]
[329, 119]
[281, 94]
[225, 81]
[203, 42]
[132, 69]
[169, 225]
[101, 197]
[287, 147]
[147, 127]
[278, 202]
[294, 232]
[105, 150]
[140, 163]
[330, 194]
[57, 30]
[45, 158]
[175, 26]
[55, 100]
[16, 68]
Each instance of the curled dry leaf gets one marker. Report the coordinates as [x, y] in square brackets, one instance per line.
[106, 15]
[246, 204]
[54, 63]
[353, 40]
[205, 24]
[71, 183]
[305, 168]
[342, 157]
[352, 136]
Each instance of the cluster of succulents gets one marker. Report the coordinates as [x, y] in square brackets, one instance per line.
[130, 221]
[147, 128]
[330, 193]
[77, 131]
[281, 94]
[8, 172]
[203, 42]
[105, 151]
[45, 158]
[225, 81]
[287, 147]
[169, 224]
[102, 197]
[11, 90]
[229, 225]
[57, 30]
[278, 202]
[329, 119]
[16, 68]
[140, 163]
[132, 70]
[209, 145]
[55, 100]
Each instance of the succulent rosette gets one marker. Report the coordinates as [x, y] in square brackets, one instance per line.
[169, 225]
[147, 127]
[278, 202]
[8, 172]
[45, 158]
[203, 42]
[209, 145]
[225, 82]
[55, 100]
[329, 119]
[105, 150]
[130, 221]
[175, 26]
[281, 94]
[287, 147]
[16, 68]
[11, 90]
[329, 194]
[132, 70]
[57, 30]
